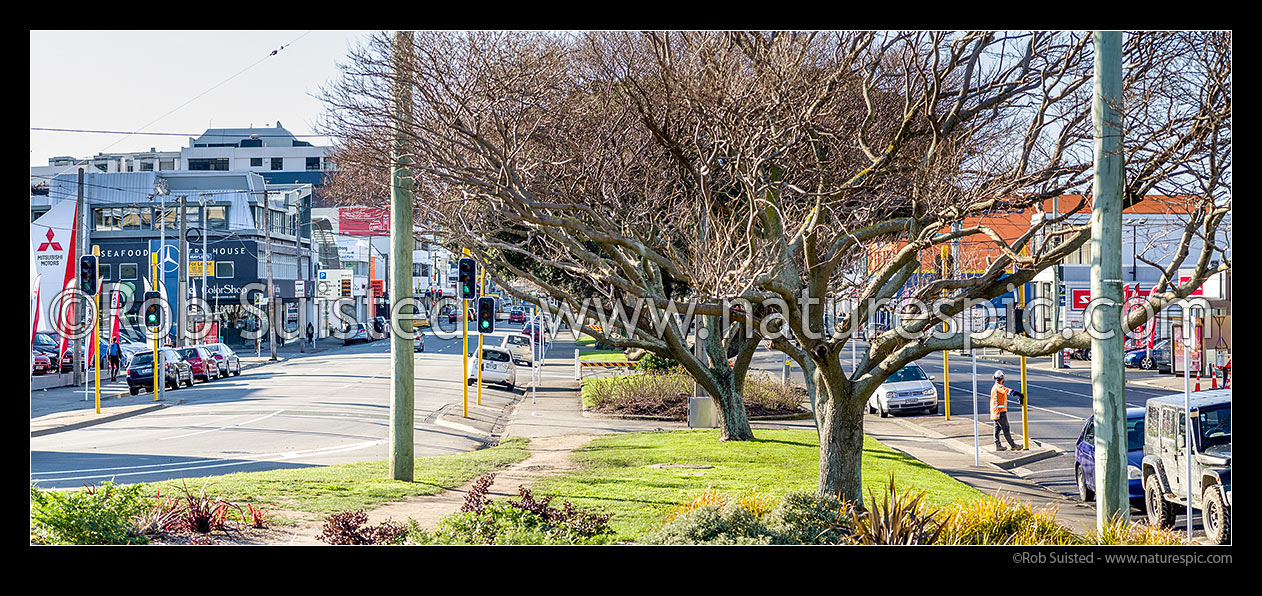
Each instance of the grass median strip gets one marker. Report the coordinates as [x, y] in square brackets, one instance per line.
[347, 487]
[603, 355]
[615, 476]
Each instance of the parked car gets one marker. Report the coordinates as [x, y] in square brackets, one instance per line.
[907, 389]
[47, 344]
[380, 327]
[229, 362]
[1158, 359]
[359, 334]
[517, 315]
[497, 367]
[418, 342]
[204, 366]
[1168, 455]
[1084, 457]
[140, 373]
[40, 364]
[521, 346]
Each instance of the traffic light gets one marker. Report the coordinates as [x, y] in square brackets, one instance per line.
[468, 278]
[153, 309]
[486, 315]
[88, 272]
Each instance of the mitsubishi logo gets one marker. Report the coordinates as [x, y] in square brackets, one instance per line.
[43, 246]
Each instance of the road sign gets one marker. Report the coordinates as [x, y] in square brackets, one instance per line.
[300, 289]
[1080, 299]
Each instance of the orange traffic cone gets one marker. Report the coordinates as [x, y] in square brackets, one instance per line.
[1214, 382]
[1198, 381]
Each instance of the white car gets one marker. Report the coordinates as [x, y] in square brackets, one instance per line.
[497, 367]
[520, 345]
[906, 390]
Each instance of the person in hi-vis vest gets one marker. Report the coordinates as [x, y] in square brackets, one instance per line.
[999, 410]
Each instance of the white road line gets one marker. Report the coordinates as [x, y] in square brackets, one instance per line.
[222, 427]
[259, 459]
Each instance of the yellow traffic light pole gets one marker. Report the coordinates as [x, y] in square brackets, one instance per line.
[464, 358]
[946, 354]
[481, 290]
[1025, 417]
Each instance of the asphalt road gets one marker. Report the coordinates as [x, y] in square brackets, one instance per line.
[326, 408]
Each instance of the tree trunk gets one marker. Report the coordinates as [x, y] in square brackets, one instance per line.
[839, 418]
[733, 420]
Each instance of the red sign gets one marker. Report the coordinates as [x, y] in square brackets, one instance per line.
[1200, 290]
[378, 287]
[363, 221]
[1079, 299]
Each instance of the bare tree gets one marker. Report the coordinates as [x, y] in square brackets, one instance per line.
[758, 175]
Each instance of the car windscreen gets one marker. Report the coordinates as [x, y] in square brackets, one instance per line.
[495, 356]
[1135, 434]
[907, 373]
[519, 340]
[189, 353]
[1215, 425]
[142, 359]
[44, 340]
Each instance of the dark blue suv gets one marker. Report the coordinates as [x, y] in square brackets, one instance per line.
[1084, 457]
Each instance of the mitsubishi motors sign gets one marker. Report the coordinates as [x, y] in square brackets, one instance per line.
[363, 221]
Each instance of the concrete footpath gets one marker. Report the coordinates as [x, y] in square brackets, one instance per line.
[61, 409]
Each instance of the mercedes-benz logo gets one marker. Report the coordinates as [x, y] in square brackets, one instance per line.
[170, 254]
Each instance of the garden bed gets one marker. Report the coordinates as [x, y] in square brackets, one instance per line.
[665, 396]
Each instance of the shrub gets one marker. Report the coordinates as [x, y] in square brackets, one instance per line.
[525, 520]
[713, 524]
[765, 394]
[1005, 520]
[345, 528]
[804, 518]
[102, 514]
[1119, 532]
[896, 519]
[651, 363]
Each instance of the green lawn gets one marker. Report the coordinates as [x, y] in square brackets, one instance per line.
[585, 340]
[614, 475]
[603, 355]
[347, 487]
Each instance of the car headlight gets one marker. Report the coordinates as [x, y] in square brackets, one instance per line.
[1133, 473]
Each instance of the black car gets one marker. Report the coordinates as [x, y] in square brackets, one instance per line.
[229, 362]
[47, 344]
[140, 373]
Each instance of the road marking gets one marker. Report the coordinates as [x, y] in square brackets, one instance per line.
[222, 427]
[261, 459]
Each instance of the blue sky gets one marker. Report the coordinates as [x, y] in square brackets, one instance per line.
[124, 80]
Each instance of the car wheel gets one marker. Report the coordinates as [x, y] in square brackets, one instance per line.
[1160, 513]
[189, 382]
[174, 384]
[238, 373]
[1216, 515]
[509, 385]
[884, 412]
[1084, 494]
[134, 390]
[1146, 364]
[934, 410]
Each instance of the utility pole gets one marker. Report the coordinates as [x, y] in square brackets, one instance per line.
[181, 316]
[271, 296]
[1056, 293]
[81, 222]
[402, 383]
[1107, 376]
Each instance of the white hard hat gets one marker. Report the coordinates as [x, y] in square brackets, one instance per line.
[999, 374]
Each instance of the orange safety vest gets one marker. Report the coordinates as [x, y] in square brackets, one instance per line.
[998, 400]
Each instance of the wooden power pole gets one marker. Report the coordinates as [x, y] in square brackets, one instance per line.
[402, 381]
[1107, 376]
